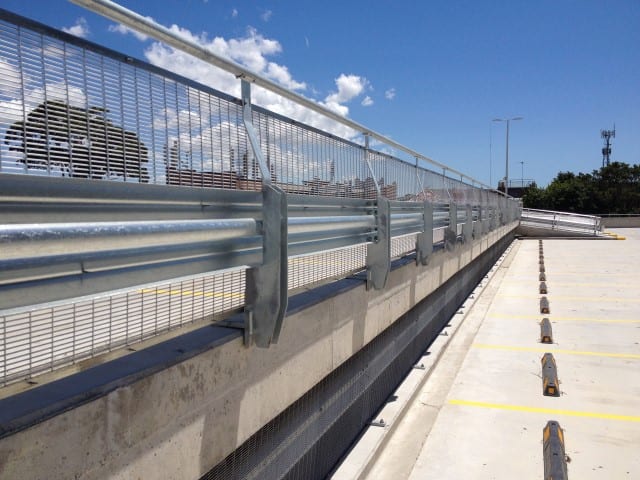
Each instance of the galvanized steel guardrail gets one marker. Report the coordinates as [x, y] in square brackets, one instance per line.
[133, 201]
[561, 221]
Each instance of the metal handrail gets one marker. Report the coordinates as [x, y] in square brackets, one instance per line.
[75, 247]
[555, 220]
[149, 27]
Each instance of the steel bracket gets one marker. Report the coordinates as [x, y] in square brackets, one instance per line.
[451, 232]
[424, 240]
[478, 227]
[266, 285]
[379, 253]
[493, 218]
[467, 228]
[247, 118]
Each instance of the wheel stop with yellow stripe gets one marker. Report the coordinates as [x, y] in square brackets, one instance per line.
[544, 305]
[550, 383]
[546, 333]
[555, 458]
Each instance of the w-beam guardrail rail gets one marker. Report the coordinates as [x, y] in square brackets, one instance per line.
[134, 201]
[561, 221]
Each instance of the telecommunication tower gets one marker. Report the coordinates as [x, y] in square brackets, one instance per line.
[606, 150]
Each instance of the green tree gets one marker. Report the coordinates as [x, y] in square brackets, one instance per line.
[535, 197]
[618, 188]
[612, 189]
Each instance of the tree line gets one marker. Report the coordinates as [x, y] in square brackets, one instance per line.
[614, 188]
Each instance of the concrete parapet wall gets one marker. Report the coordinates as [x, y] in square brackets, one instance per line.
[181, 418]
[630, 221]
[543, 232]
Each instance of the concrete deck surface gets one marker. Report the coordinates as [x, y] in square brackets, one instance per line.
[481, 412]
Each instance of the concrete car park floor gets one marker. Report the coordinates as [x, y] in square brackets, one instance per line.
[481, 412]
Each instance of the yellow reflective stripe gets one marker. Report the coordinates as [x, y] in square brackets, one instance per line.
[190, 293]
[577, 299]
[500, 316]
[552, 350]
[552, 411]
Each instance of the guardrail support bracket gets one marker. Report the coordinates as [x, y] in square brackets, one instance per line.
[266, 285]
[451, 232]
[424, 240]
[467, 228]
[478, 226]
[379, 253]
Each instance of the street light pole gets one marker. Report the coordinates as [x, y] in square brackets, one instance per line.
[506, 176]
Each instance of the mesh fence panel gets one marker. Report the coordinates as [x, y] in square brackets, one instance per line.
[69, 108]
[42, 339]
[307, 270]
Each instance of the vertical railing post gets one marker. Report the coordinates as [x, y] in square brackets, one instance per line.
[424, 240]
[368, 162]
[451, 232]
[478, 226]
[266, 285]
[467, 229]
[379, 252]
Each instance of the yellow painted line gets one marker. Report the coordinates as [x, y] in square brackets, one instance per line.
[552, 350]
[615, 235]
[571, 274]
[190, 293]
[551, 411]
[576, 299]
[532, 281]
[316, 261]
[499, 316]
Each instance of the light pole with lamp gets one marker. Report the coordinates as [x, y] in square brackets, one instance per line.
[506, 176]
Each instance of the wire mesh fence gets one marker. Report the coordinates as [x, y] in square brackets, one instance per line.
[45, 338]
[70, 108]
[73, 109]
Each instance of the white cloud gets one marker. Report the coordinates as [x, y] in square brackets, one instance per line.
[119, 28]
[16, 109]
[80, 29]
[390, 94]
[349, 87]
[367, 101]
[281, 74]
[253, 51]
[11, 80]
[266, 15]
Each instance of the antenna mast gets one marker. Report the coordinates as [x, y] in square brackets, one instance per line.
[606, 150]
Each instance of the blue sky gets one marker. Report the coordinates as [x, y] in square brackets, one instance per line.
[429, 74]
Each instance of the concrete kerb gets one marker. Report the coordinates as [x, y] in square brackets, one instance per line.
[360, 459]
